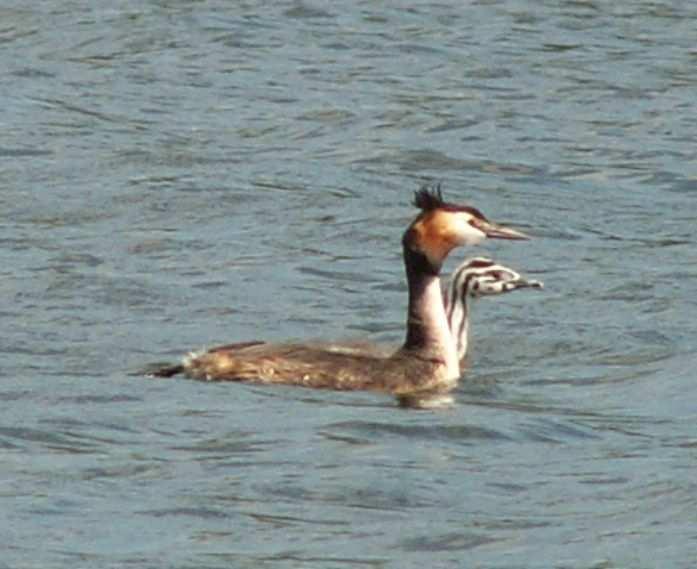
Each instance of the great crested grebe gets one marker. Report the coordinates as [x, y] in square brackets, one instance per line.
[475, 278]
[424, 367]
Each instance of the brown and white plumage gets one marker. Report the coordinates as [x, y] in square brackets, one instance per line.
[426, 364]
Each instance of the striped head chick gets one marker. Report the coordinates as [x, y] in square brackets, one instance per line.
[475, 278]
[441, 226]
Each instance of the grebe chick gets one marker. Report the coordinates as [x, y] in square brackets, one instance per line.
[475, 278]
[427, 363]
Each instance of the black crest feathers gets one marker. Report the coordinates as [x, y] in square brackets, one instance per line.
[428, 198]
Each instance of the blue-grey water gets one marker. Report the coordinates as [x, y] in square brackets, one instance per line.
[182, 173]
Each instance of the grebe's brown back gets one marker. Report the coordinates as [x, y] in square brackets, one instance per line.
[427, 363]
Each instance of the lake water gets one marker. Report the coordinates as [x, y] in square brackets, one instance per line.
[183, 173]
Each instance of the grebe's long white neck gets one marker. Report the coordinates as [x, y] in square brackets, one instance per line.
[427, 323]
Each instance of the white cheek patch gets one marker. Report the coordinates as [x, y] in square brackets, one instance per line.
[466, 233]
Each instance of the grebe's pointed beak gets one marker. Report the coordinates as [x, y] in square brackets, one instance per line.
[495, 231]
[510, 286]
[524, 283]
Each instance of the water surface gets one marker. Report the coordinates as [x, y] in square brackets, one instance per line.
[176, 174]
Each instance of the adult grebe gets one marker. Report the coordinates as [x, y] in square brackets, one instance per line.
[475, 278]
[427, 363]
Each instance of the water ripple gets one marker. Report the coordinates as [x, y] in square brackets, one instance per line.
[179, 174]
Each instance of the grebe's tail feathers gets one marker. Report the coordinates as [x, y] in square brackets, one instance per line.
[163, 370]
[170, 370]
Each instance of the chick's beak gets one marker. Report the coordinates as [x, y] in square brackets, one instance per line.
[524, 283]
